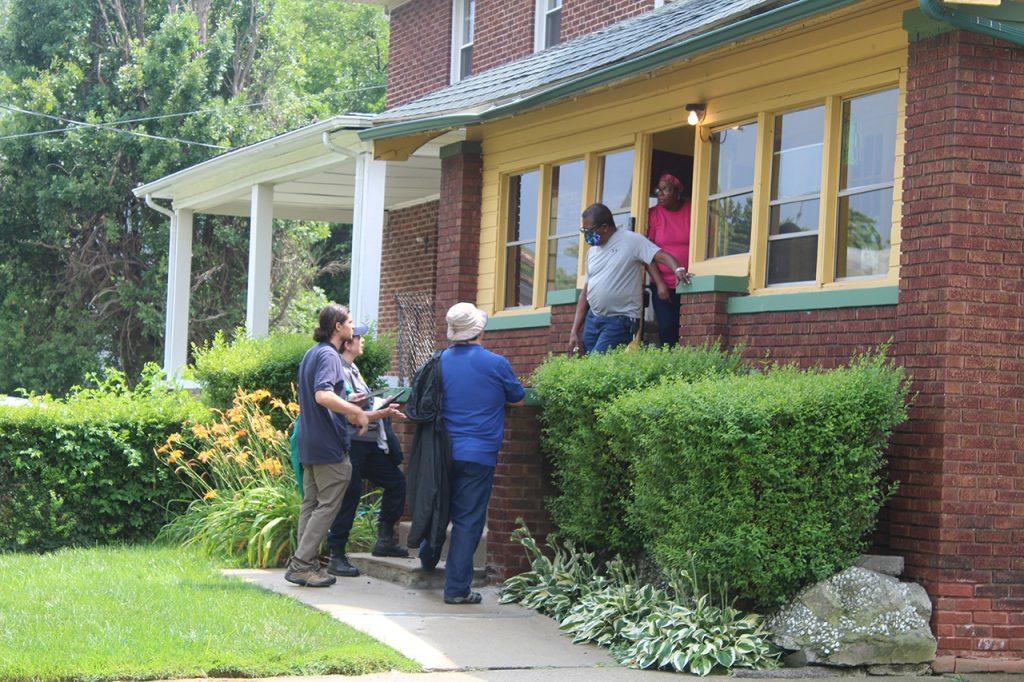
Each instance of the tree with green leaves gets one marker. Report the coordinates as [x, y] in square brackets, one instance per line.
[98, 96]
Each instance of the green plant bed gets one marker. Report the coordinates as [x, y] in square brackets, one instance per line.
[674, 626]
[772, 480]
[142, 613]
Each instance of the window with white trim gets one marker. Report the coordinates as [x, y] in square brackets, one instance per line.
[547, 24]
[463, 25]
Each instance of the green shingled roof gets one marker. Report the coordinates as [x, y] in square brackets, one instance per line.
[638, 45]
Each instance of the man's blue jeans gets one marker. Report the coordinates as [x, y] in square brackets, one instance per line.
[471, 491]
[601, 333]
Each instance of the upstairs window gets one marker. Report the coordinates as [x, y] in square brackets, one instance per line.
[463, 25]
[547, 25]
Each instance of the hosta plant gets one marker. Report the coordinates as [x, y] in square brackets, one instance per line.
[675, 627]
[551, 586]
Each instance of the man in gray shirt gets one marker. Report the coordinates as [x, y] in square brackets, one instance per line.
[609, 309]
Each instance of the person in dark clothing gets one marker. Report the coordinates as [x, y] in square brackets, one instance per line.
[372, 460]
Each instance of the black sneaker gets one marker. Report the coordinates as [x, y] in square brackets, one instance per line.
[388, 547]
[339, 565]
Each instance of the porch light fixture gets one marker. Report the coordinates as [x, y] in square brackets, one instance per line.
[697, 112]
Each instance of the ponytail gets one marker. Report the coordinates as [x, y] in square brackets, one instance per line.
[330, 316]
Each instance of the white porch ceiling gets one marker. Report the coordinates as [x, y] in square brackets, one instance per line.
[310, 180]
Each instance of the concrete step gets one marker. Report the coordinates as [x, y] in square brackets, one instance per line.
[407, 572]
[479, 557]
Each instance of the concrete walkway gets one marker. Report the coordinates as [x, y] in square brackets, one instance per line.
[488, 642]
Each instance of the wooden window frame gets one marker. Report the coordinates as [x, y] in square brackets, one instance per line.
[753, 265]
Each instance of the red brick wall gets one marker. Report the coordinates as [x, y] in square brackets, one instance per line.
[504, 32]
[828, 338]
[522, 481]
[959, 520]
[419, 50]
[420, 44]
[527, 348]
[580, 17]
[408, 260]
[458, 229]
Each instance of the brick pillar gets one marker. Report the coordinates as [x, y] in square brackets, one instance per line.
[703, 318]
[458, 228]
[522, 482]
[958, 518]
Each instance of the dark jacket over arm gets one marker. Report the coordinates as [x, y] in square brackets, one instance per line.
[431, 458]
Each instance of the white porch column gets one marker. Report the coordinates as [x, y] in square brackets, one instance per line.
[261, 217]
[179, 277]
[367, 235]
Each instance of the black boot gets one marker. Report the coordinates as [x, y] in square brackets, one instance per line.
[386, 545]
[339, 565]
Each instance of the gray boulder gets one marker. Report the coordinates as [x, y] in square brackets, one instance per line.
[858, 618]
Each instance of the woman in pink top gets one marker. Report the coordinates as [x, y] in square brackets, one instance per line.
[668, 226]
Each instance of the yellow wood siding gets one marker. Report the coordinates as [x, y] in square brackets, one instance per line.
[853, 51]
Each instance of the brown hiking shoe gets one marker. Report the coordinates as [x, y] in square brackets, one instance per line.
[308, 576]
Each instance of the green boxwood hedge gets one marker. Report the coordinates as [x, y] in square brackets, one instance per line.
[773, 480]
[271, 363]
[595, 480]
[82, 470]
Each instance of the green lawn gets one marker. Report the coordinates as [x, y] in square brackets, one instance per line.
[152, 612]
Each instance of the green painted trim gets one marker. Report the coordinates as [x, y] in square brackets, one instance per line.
[724, 35]
[460, 147]
[563, 297]
[707, 284]
[919, 26]
[991, 25]
[814, 300]
[522, 321]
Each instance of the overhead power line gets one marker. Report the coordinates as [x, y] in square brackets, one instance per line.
[109, 128]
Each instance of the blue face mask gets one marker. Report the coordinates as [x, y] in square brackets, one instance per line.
[591, 237]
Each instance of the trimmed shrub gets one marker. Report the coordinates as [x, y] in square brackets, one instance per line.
[772, 480]
[272, 363]
[80, 471]
[593, 480]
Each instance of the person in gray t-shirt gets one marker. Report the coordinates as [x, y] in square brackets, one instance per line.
[608, 312]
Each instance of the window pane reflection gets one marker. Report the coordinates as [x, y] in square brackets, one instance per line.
[521, 239]
[563, 256]
[566, 198]
[730, 203]
[729, 225]
[617, 185]
[520, 264]
[566, 206]
[794, 205]
[864, 220]
[865, 225]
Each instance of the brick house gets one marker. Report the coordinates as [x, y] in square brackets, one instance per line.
[856, 179]
[890, 132]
